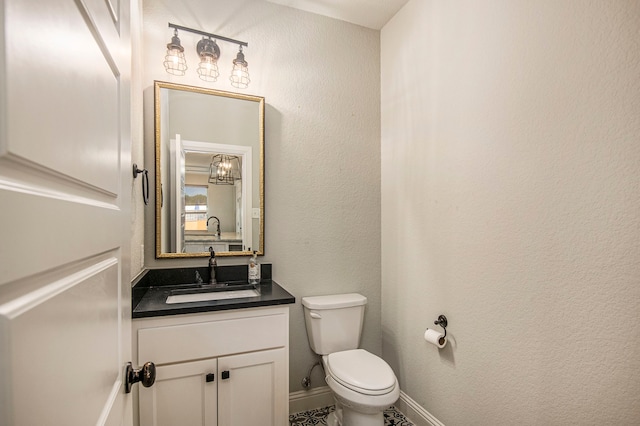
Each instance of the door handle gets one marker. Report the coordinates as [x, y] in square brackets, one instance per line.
[145, 375]
[225, 375]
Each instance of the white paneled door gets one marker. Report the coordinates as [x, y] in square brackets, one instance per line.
[65, 190]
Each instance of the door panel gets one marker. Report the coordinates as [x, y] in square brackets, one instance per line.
[65, 179]
[42, 327]
[61, 75]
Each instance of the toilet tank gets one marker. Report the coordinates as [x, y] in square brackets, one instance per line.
[334, 322]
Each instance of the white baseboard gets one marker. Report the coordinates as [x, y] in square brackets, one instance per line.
[415, 412]
[311, 399]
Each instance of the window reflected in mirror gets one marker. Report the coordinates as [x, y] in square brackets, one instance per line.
[196, 207]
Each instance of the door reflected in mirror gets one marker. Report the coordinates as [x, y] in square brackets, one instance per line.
[209, 172]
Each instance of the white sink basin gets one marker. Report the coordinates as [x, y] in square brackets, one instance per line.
[216, 295]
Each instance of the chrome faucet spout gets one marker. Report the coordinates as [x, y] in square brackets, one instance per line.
[213, 265]
[218, 233]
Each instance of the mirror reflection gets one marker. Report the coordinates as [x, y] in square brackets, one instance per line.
[209, 172]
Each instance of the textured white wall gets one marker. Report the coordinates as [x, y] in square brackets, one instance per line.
[511, 204]
[320, 79]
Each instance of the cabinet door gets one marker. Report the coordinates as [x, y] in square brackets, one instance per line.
[181, 396]
[254, 389]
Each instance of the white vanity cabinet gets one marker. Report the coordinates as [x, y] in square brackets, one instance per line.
[200, 247]
[203, 247]
[227, 368]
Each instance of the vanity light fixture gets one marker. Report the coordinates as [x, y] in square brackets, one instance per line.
[240, 74]
[174, 61]
[209, 52]
[224, 169]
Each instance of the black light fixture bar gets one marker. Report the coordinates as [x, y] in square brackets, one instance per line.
[202, 33]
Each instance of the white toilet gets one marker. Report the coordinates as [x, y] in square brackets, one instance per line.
[363, 384]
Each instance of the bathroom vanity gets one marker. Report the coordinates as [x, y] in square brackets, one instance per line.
[218, 362]
[221, 354]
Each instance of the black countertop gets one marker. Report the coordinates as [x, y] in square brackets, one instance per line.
[151, 290]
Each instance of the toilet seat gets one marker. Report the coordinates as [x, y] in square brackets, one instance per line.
[361, 371]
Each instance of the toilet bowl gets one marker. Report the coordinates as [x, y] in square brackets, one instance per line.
[363, 384]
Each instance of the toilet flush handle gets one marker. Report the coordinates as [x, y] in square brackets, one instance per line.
[315, 315]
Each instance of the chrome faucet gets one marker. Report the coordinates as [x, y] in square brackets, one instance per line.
[213, 265]
[217, 225]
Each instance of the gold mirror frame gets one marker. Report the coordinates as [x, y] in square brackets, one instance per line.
[158, 86]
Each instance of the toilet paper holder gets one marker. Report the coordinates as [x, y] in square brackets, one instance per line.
[442, 322]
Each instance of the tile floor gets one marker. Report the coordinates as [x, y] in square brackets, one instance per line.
[392, 417]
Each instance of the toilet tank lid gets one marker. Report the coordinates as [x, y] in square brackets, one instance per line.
[333, 301]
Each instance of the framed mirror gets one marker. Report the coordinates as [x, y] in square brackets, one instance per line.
[209, 172]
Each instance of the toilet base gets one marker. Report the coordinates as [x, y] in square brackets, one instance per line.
[355, 418]
[348, 417]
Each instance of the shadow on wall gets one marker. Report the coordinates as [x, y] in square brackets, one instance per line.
[446, 353]
[272, 130]
[392, 355]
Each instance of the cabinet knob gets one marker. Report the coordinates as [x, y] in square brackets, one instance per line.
[145, 375]
[210, 377]
[225, 375]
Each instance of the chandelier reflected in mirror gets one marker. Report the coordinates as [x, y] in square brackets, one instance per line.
[224, 169]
